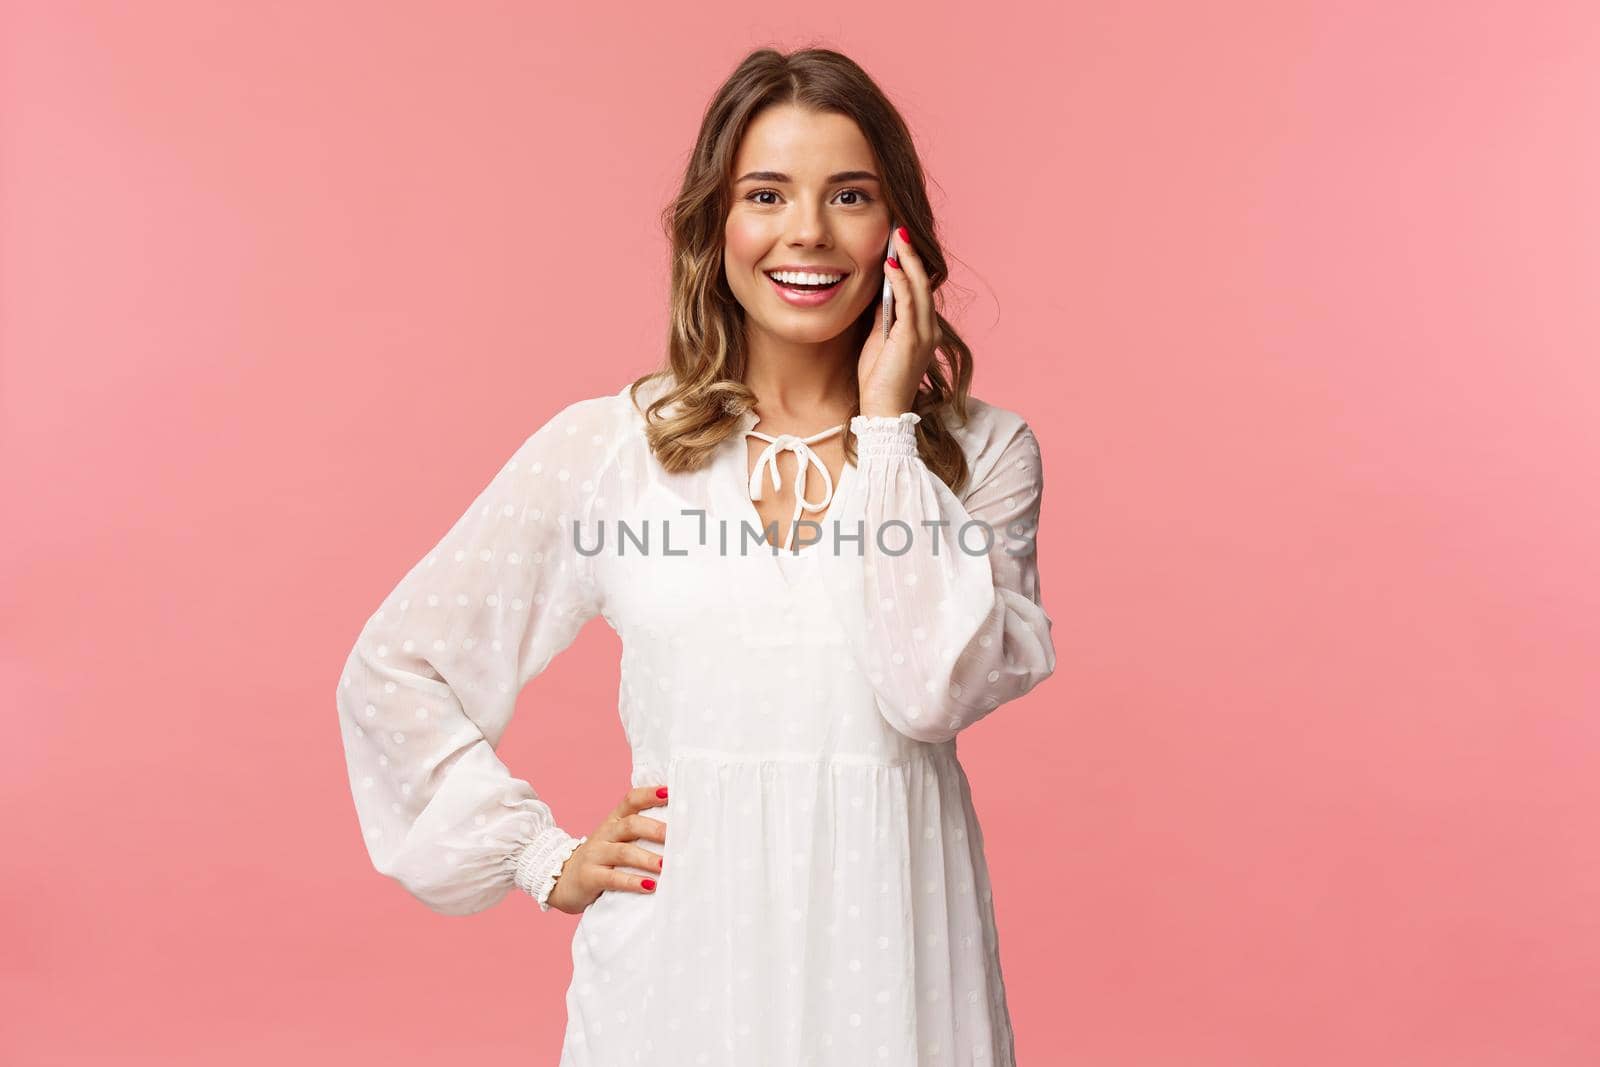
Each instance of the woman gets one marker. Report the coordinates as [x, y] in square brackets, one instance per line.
[791, 708]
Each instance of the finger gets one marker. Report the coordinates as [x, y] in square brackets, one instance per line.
[904, 309]
[645, 796]
[630, 883]
[645, 828]
[623, 854]
[636, 827]
[921, 293]
[641, 857]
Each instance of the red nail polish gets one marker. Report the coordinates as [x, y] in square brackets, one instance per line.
[904, 236]
[895, 263]
[662, 792]
[648, 883]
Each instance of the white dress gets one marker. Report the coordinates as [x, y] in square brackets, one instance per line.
[828, 900]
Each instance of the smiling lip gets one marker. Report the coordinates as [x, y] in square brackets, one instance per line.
[797, 298]
[807, 270]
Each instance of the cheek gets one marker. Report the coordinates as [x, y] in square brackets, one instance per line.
[744, 244]
[870, 254]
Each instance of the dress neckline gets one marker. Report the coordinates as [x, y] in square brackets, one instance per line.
[767, 463]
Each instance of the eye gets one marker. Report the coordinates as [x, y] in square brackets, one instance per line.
[860, 194]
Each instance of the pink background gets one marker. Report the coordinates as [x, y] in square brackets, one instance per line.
[1301, 299]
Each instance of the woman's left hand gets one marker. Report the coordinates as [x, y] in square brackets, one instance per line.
[890, 371]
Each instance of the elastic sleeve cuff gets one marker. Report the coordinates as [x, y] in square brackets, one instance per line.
[886, 435]
[541, 861]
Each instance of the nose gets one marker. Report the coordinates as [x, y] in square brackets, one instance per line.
[808, 227]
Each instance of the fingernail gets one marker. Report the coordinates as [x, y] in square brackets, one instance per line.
[662, 792]
[648, 883]
[904, 236]
[895, 263]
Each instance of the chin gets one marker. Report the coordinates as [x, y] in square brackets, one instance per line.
[814, 334]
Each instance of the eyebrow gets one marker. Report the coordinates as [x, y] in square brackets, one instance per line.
[833, 179]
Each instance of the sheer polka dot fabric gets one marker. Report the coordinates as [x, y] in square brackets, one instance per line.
[828, 900]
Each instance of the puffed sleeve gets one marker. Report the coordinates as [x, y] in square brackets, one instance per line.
[430, 687]
[953, 626]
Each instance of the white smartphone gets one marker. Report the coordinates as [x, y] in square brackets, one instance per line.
[888, 289]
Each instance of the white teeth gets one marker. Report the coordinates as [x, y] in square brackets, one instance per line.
[794, 278]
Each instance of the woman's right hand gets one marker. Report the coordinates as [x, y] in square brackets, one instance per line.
[592, 867]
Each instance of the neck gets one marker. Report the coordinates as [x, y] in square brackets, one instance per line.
[800, 382]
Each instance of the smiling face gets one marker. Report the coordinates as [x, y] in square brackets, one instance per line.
[805, 193]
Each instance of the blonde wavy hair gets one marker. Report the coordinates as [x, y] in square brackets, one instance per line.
[705, 395]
